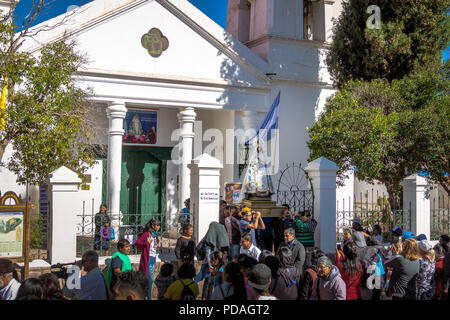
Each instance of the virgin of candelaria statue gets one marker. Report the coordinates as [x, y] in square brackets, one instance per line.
[257, 180]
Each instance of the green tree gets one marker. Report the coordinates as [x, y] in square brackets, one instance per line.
[385, 130]
[47, 114]
[390, 116]
[412, 35]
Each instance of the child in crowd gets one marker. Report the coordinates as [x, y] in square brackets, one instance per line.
[184, 249]
[147, 243]
[216, 270]
[248, 248]
[176, 291]
[165, 279]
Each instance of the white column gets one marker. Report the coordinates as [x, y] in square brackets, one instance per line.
[64, 207]
[116, 112]
[416, 198]
[205, 189]
[323, 175]
[186, 117]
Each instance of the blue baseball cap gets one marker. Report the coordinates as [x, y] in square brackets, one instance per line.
[408, 235]
[421, 237]
[397, 230]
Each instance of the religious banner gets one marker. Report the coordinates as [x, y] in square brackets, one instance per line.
[140, 127]
[232, 192]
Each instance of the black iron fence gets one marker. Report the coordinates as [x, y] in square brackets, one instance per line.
[376, 211]
[440, 217]
[94, 233]
[298, 200]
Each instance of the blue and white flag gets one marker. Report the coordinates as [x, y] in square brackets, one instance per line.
[270, 123]
[257, 178]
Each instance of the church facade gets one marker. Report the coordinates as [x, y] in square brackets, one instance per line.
[169, 84]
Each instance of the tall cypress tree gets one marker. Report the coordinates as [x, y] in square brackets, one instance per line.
[412, 35]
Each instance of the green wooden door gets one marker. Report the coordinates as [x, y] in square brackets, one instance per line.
[140, 195]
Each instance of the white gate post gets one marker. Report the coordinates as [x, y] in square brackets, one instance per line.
[205, 189]
[416, 194]
[323, 175]
[64, 206]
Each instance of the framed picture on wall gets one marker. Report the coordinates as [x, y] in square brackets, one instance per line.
[141, 127]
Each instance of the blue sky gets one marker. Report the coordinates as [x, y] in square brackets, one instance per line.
[215, 9]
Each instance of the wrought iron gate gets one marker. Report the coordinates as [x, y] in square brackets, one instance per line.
[295, 189]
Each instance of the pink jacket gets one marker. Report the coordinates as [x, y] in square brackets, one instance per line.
[144, 247]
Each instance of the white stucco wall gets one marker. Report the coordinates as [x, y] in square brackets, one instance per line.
[92, 198]
[8, 181]
[221, 120]
[122, 36]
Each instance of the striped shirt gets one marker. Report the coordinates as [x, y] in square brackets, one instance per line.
[304, 231]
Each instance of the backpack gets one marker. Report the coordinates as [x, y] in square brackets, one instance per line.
[200, 251]
[187, 293]
[313, 275]
[369, 263]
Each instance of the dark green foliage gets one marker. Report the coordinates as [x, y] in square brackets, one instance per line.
[412, 35]
[47, 114]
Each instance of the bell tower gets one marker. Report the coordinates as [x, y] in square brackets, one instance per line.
[260, 23]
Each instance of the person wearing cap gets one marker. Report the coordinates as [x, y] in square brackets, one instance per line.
[425, 279]
[358, 236]
[397, 231]
[259, 279]
[9, 284]
[421, 237]
[329, 284]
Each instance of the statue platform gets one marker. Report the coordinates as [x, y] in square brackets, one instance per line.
[266, 206]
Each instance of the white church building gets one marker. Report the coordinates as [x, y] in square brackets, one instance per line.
[156, 66]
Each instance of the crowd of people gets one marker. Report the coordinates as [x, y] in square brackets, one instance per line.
[245, 256]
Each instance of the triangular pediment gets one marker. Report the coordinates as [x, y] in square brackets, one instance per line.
[110, 33]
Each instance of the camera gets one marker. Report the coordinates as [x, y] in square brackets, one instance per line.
[60, 270]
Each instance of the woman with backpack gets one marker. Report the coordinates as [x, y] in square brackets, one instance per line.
[147, 243]
[185, 288]
[233, 287]
[351, 270]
